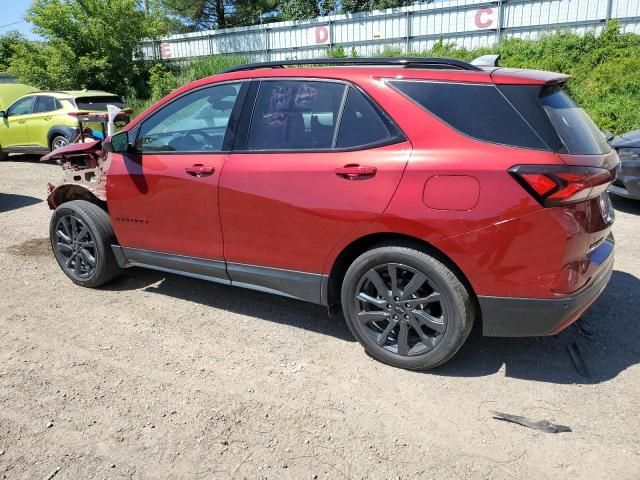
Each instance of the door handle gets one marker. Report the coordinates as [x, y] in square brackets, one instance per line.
[21, 121]
[199, 170]
[356, 172]
[46, 119]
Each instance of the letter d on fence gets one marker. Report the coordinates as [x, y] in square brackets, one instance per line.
[322, 35]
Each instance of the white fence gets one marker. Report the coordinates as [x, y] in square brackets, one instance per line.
[467, 23]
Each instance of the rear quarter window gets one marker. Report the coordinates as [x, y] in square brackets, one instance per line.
[476, 110]
[576, 129]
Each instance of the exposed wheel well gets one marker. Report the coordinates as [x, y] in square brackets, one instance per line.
[67, 132]
[66, 193]
[361, 245]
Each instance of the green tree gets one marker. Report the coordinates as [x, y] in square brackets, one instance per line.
[354, 6]
[211, 14]
[9, 42]
[305, 9]
[88, 43]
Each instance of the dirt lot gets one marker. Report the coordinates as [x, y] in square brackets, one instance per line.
[159, 376]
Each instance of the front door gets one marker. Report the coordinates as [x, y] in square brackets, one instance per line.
[298, 183]
[13, 127]
[163, 197]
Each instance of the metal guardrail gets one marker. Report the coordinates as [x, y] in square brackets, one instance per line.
[467, 23]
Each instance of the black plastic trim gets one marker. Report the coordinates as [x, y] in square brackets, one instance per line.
[533, 317]
[411, 62]
[202, 268]
[289, 283]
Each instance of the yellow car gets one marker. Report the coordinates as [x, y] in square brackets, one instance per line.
[39, 122]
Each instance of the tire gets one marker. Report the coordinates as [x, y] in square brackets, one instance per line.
[444, 315]
[3, 156]
[58, 141]
[81, 238]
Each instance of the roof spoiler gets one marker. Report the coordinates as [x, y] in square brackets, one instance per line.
[486, 61]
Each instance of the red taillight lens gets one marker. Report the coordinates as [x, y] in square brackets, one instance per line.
[554, 185]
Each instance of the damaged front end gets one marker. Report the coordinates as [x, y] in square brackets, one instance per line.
[85, 166]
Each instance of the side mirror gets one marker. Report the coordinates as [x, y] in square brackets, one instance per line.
[3, 114]
[607, 135]
[118, 143]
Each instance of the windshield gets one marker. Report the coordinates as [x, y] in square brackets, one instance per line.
[576, 129]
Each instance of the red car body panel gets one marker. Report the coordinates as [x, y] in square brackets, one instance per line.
[286, 212]
[151, 199]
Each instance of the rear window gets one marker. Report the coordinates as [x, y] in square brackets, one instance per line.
[576, 129]
[98, 103]
[479, 111]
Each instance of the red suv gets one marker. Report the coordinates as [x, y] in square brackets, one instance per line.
[419, 195]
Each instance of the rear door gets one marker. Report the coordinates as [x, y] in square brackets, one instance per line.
[163, 197]
[42, 120]
[316, 160]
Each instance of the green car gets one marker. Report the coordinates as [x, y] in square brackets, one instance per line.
[39, 122]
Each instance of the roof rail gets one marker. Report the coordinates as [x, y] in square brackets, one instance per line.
[437, 63]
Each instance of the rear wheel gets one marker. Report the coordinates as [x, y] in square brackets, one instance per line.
[3, 156]
[81, 238]
[59, 141]
[406, 308]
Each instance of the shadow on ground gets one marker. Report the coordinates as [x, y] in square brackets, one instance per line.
[10, 201]
[608, 336]
[264, 306]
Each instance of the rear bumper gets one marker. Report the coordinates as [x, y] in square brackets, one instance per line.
[533, 317]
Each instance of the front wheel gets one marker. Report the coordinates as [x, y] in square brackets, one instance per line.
[406, 308]
[81, 238]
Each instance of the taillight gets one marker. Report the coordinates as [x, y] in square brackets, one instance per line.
[554, 185]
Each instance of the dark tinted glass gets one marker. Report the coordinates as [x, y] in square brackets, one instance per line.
[576, 129]
[45, 104]
[479, 111]
[98, 104]
[295, 115]
[361, 123]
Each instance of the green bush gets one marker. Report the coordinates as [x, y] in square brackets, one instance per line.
[166, 77]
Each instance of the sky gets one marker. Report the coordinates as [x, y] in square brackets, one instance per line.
[14, 11]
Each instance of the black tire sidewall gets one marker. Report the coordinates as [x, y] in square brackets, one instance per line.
[453, 299]
[75, 208]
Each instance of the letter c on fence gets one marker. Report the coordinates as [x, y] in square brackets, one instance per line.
[322, 35]
[484, 17]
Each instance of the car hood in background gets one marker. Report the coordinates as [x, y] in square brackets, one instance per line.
[10, 92]
[627, 140]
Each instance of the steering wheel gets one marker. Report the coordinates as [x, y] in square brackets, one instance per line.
[190, 141]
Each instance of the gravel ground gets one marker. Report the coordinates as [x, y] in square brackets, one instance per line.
[159, 376]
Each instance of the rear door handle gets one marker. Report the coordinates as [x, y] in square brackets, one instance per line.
[199, 170]
[354, 172]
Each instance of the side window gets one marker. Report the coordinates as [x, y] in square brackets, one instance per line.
[362, 123]
[21, 107]
[295, 115]
[195, 122]
[479, 111]
[45, 104]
